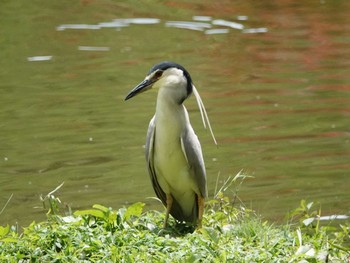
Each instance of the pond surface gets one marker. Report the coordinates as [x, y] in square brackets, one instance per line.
[275, 79]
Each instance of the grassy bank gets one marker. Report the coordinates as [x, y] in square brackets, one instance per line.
[230, 234]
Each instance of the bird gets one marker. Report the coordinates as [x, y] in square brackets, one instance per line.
[173, 152]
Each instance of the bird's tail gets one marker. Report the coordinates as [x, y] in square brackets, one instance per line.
[178, 212]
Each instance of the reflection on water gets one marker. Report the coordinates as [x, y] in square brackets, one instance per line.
[221, 22]
[88, 48]
[39, 58]
[274, 78]
[193, 25]
[116, 23]
[255, 30]
[188, 25]
[63, 164]
[216, 31]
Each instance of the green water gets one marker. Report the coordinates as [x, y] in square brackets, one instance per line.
[279, 102]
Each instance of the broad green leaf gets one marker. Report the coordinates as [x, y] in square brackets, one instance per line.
[91, 212]
[134, 210]
[4, 230]
[309, 205]
[308, 221]
[9, 240]
[211, 234]
[101, 207]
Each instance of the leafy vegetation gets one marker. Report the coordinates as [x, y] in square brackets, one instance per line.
[231, 233]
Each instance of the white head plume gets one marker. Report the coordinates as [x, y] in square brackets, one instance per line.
[203, 112]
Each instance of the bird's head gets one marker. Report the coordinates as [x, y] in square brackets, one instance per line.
[169, 76]
[174, 81]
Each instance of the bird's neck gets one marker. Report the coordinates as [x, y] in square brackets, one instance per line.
[170, 113]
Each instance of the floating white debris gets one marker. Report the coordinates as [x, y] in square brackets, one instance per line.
[144, 21]
[116, 23]
[220, 22]
[88, 48]
[216, 31]
[202, 18]
[113, 24]
[255, 30]
[242, 18]
[140, 21]
[77, 26]
[188, 25]
[39, 58]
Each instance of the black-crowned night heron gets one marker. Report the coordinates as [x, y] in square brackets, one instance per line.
[173, 152]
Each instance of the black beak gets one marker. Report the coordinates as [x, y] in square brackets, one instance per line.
[143, 86]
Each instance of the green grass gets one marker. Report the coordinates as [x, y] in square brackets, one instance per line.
[231, 233]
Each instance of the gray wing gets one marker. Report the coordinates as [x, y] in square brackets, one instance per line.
[193, 153]
[150, 161]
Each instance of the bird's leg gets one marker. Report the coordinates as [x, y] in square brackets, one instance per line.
[200, 210]
[169, 204]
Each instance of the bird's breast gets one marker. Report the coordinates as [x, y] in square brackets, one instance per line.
[167, 144]
[169, 160]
